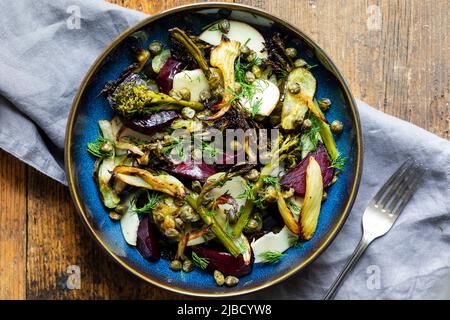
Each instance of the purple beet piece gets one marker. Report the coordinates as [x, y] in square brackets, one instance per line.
[296, 177]
[152, 123]
[146, 240]
[194, 171]
[166, 74]
[225, 262]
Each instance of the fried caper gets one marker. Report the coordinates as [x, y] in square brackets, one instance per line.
[252, 175]
[324, 104]
[188, 112]
[271, 194]
[176, 265]
[251, 56]
[204, 95]
[249, 77]
[231, 281]
[336, 126]
[300, 63]
[175, 94]
[185, 94]
[307, 124]
[115, 216]
[291, 52]
[156, 47]
[257, 71]
[244, 50]
[188, 266]
[224, 26]
[219, 278]
[294, 88]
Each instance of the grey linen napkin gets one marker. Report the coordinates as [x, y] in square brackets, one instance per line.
[43, 60]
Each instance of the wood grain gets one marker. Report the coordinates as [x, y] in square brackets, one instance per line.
[399, 66]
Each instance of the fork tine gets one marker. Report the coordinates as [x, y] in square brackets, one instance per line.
[408, 195]
[402, 188]
[388, 183]
[397, 184]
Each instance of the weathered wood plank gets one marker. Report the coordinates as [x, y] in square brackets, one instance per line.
[12, 227]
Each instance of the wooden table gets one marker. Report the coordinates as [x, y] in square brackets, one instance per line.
[394, 54]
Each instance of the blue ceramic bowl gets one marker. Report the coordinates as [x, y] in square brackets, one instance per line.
[88, 108]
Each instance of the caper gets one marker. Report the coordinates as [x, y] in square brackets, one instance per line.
[188, 266]
[324, 104]
[188, 112]
[156, 47]
[176, 265]
[196, 186]
[231, 281]
[237, 87]
[204, 95]
[307, 124]
[249, 77]
[251, 56]
[172, 233]
[121, 208]
[185, 94]
[291, 52]
[252, 226]
[115, 216]
[245, 50]
[215, 77]
[219, 278]
[187, 214]
[224, 26]
[288, 193]
[106, 146]
[324, 196]
[257, 71]
[300, 63]
[175, 94]
[336, 126]
[270, 194]
[252, 175]
[218, 91]
[295, 88]
[298, 122]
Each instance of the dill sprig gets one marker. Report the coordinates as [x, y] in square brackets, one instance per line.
[271, 257]
[339, 162]
[295, 209]
[95, 148]
[271, 181]
[200, 262]
[248, 193]
[295, 242]
[152, 199]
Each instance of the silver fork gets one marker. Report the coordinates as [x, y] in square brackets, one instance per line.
[382, 212]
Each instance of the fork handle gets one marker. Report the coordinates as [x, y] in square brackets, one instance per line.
[362, 246]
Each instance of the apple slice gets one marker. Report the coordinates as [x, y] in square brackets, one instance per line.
[279, 242]
[309, 214]
[194, 80]
[129, 223]
[264, 100]
[239, 31]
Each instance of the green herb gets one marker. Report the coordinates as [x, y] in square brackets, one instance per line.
[295, 209]
[202, 263]
[182, 275]
[339, 162]
[312, 66]
[209, 213]
[271, 181]
[248, 193]
[94, 148]
[152, 199]
[271, 256]
[295, 242]
[310, 138]
[210, 149]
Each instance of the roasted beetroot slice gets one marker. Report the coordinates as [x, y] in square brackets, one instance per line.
[194, 171]
[166, 74]
[146, 240]
[225, 262]
[296, 177]
[152, 123]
